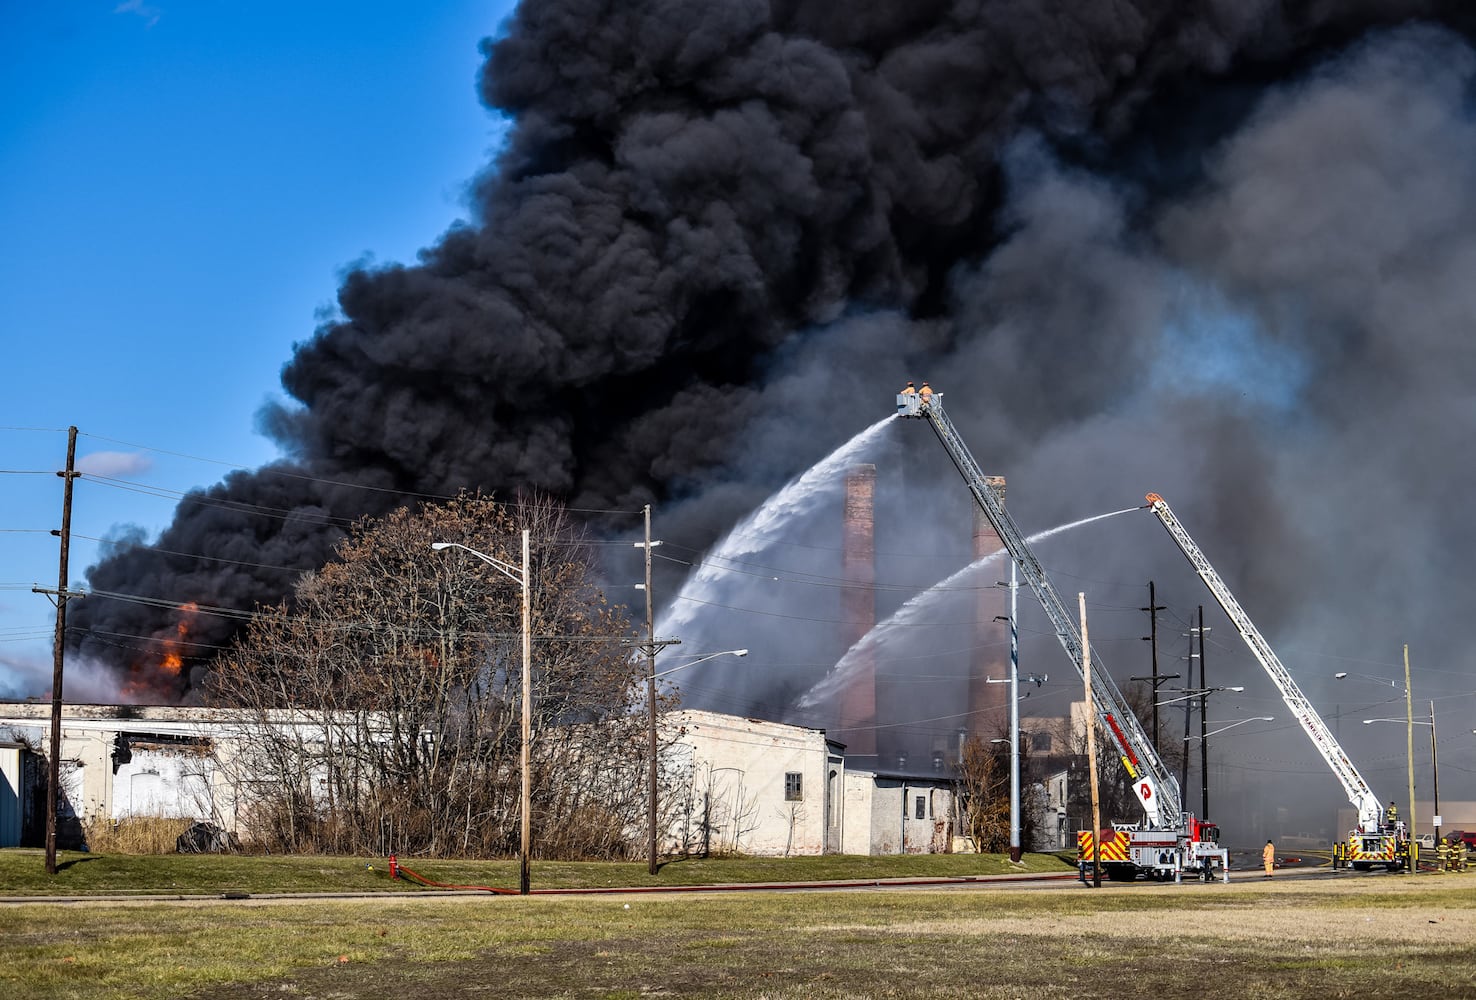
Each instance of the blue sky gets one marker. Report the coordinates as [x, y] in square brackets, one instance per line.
[181, 187]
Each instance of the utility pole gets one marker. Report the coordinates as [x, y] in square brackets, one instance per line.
[1014, 682]
[1015, 716]
[1435, 774]
[1091, 727]
[53, 786]
[651, 647]
[1204, 781]
[1188, 705]
[1153, 609]
[652, 776]
[1409, 742]
[525, 832]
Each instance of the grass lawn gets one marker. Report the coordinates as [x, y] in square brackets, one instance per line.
[1378, 936]
[23, 872]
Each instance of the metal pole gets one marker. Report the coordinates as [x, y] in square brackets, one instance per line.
[1188, 711]
[526, 836]
[53, 788]
[1409, 738]
[651, 775]
[1204, 781]
[1014, 718]
[1435, 773]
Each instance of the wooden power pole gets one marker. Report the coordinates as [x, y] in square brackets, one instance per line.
[1091, 727]
[58, 651]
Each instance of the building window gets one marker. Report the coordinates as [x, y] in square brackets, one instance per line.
[1040, 742]
[920, 808]
[792, 788]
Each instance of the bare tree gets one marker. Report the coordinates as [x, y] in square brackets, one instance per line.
[984, 786]
[388, 693]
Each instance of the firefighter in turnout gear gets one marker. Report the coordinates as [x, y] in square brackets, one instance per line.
[908, 389]
[1268, 857]
[925, 394]
[1391, 815]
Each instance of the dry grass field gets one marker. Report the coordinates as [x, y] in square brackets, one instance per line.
[1324, 937]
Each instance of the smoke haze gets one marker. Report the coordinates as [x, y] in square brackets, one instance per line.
[1220, 250]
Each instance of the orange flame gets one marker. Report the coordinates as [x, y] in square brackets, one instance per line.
[160, 679]
[173, 660]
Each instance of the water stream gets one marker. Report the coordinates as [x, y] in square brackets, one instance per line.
[907, 615]
[759, 529]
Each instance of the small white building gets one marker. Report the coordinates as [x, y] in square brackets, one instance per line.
[746, 786]
[898, 813]
[766, 788]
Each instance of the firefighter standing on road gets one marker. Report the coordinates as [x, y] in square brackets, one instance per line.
[1268, 857]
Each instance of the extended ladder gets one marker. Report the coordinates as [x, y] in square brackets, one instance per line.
[1156, 788]
[1363, 799]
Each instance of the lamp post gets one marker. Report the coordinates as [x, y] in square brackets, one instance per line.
[1014, 680]
[1434, 768]
[521, 578]
[1408, 724]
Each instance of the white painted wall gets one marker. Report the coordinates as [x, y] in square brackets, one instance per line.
[736, 772]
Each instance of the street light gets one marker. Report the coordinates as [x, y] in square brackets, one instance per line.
[1187, 693]
[521, 578]
[1231, 725]
[709, 656]
[1408, 725]
[1434, 767]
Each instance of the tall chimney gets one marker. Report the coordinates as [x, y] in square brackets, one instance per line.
[858, 608]
[989, 703]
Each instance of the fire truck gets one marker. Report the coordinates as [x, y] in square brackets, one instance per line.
[1373, 843]
[1167, 843]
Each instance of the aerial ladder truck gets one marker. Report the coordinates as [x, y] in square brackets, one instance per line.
[1373, 843]
[1168, 843]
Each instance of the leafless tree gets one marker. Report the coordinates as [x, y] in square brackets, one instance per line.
[387, 693]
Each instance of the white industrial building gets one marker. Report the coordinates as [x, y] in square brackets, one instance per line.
[734, 785]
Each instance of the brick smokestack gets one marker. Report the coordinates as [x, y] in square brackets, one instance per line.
[858, 608]
[989, 703]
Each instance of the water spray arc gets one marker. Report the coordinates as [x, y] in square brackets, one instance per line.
[908, 614]
[753, 533]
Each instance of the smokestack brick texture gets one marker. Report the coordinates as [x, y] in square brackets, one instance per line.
[858, 606]
[989, 703]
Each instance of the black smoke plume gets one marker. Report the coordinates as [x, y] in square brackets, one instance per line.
[722, 232]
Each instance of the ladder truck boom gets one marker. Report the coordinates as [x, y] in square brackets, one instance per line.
[1363, 799]
[1156, 788]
